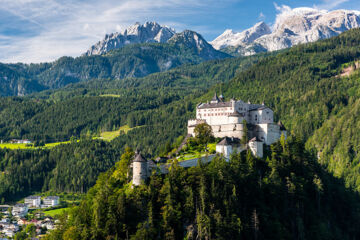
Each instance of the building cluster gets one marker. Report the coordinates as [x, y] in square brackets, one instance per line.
[14, 217]
[20, 141]
[233, 121]
[37, 202]
[227, 120]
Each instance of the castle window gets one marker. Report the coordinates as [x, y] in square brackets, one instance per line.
[256, 118]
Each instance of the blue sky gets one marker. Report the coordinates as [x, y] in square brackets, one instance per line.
[44, 30]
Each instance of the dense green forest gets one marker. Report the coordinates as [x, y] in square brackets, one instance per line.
[286, 195]
[136, 60]
[66, 168]
[84, 109]
[300, 84]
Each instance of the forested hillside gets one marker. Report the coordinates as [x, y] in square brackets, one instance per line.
[66, 168]
[135, 60]
[301, 85]
[85, 108]
[305, 90]
[337, 141]
[286, 196]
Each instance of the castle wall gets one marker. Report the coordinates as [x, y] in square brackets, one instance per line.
[269, 133]
[261, 116]
[257, 148]
[190, 130]
[224, 150]
[241, 107]
[228, 130]
[235, 120]
[191, 125]
[215, 118]
[140, 172]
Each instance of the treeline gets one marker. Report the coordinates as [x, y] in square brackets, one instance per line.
[286, 195]
[337, 141]
[41, 120]
[66, 168]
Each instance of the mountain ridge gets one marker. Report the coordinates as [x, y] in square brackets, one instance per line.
[149, 32]
[292, 27]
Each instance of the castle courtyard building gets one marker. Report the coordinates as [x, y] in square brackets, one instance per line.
[227, 119]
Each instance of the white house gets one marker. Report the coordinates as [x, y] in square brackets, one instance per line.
[229, 145]
[33, 201]
[51, 201]
[20, 210]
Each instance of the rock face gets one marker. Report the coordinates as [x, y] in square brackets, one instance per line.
[292, 27]
[197, 43]
[231, 38]
[137, 33]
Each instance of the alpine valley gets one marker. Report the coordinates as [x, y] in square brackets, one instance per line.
[84, 127]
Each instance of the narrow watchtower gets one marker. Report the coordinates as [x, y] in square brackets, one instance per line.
[256, 147]
[140, 169]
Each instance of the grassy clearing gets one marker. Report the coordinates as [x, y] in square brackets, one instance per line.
[110, 135]
[192, 155]
[15, 146]
[54, 212]
[110, 95]
[107, 136]
[50, 145]
[30, 146]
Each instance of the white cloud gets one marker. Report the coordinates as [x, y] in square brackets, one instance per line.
[69, 27]
[330, 4]
[282, 8]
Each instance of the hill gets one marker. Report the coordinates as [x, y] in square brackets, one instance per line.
[305, 88]
[301, 84]
[136, 60]
[286, 196]
[83, 110]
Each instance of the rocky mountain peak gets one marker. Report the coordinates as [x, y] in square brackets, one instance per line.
[231, 38]
[137, 33]
[292, 27]
[197, 43]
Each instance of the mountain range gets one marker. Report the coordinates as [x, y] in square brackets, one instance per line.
[150, 32]
[140, 56]
[292, 27]
[143, 49]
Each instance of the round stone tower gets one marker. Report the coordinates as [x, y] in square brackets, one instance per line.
[140, 169]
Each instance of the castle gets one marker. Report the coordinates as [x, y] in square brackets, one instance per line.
[227, 121]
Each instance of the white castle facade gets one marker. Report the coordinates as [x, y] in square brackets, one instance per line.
[227, 120]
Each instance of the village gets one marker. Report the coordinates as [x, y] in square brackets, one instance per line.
[28, 217]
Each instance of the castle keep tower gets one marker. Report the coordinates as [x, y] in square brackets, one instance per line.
[140, 169]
